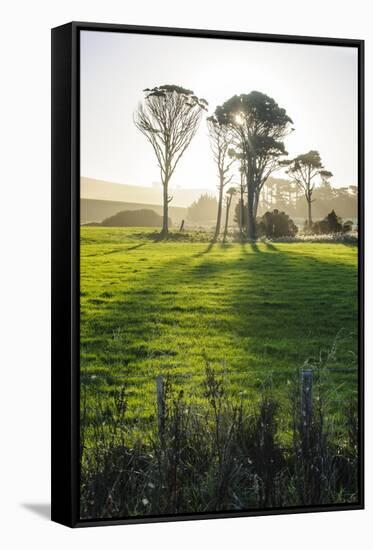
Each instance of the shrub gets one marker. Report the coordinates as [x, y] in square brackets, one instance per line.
[332, 224]
[347, 226]
[276, 224]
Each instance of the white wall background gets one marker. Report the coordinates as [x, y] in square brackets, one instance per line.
[25, 272]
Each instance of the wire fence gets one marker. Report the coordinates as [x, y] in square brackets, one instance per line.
[303, 387]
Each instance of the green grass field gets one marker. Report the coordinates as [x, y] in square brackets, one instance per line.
[249, 310]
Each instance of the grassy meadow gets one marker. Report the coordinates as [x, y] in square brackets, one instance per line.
[228, 326]
[252, 312]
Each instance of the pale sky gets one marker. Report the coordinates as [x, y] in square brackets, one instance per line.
[317, 85]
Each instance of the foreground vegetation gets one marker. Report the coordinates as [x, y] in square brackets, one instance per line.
[226, 455]
[250, 313]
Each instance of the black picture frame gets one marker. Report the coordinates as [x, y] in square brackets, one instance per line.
[65, 266]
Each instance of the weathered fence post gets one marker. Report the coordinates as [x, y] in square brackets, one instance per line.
[160, 405]
[306, 405]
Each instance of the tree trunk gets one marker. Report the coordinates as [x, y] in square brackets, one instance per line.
[309, 203]
[250, 229]
[242, 203]
[256, 204]
[227, 216]
[220, 208]
[241, 212]
[164, 232]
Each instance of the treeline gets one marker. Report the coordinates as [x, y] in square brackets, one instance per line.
[283, 195]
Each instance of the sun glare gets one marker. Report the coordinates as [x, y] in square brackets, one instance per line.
[239, 119]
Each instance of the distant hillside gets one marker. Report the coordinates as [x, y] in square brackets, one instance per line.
[105, 190]
[135, 218]
[97, 210]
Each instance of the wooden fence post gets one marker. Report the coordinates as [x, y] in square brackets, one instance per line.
[306, 405]
[160, 405]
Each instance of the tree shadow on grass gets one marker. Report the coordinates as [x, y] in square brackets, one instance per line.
[119, 250]
[259, 300]
[248, 247]
[225, 246]
[254, 247]
[206, 250]
[270, 246]
[135, 246]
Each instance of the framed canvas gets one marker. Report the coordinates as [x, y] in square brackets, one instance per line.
[207, 274]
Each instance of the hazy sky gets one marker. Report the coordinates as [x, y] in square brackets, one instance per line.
[317, 85]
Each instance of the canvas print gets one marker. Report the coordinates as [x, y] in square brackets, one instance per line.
[219, 365]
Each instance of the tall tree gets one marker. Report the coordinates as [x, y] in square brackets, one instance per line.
[307, 170]
[221, 146]
[259, 126]
[169, 117]
[228, 201]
